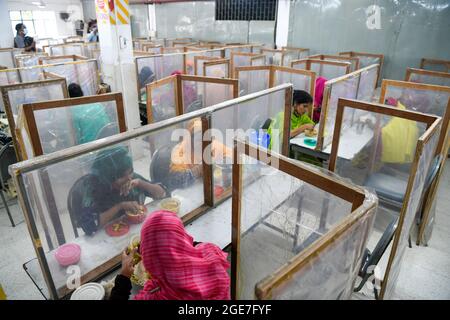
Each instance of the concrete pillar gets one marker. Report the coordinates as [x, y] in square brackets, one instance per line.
[6, 36]
[282, 31]
[116, 47]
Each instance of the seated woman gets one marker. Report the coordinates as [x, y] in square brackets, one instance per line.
[180, 268]
[88, 119]
[395, 144]
[178, 165]
[146, 76]
[112, 189]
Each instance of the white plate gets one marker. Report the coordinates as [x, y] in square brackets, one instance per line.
[89, 291]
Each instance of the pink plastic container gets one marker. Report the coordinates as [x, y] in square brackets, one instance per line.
[68, 254]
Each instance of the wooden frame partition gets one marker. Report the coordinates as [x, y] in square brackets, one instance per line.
[225, 62]
[309, 61]
[353, 60]
[48, 59]
[326, 182]
[177, 82]
[30, 120]
[442, 146]
[18, 58]
[272, 76]
[205, 59]
[432, 123]
[411, 72]
[444, 64]
[366, 55]
[327, 95]
[24, 170]
[63, 46]
[8, 108]
[252, 56]
[299, 51]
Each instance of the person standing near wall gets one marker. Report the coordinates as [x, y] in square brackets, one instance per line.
[22, 40]
[93, 31]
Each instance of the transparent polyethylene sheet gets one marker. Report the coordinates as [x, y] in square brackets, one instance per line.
[163, 102]
[299, 81]
[35, 94]
[61, 128]
[55, 220]
[83, 73]
[292, 215]
[421, 100]
[155, 68]
[341, 89]
[377, 151]
[328, 71]
[198, 95]
[367, 84]
[332, 274]
[253, 81]
[430, 79]
[248, 117]
[217, 71]
[413, 203]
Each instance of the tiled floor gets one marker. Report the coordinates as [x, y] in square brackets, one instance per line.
[425, 273]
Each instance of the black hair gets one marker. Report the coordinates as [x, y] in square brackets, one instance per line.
[75, 90]
[19, 26]
[301, 97]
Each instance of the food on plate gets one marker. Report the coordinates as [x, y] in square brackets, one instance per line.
[311, 133]
[138, 216]
[117, 229]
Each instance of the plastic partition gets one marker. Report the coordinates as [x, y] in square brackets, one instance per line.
[7, 56]
[59, 124]
[399, 146]
[242, 59]
[156, 67]
[344, 87]
[428, 77]
[17, 94]
[435, 65]
[273, 56]
[429, 99]
[360, 84]
[84, 73]
[60, 59]
[353, 60]
[236, 48]
[180, 94]
[217, 68]
[78, 183]
[66, 49]
[288, 242]
[29, 60]
[323, 68]
[366, 59]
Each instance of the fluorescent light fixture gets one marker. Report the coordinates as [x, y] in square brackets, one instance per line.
[40, 4]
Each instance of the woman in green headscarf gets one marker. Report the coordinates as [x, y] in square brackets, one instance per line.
[113, 188]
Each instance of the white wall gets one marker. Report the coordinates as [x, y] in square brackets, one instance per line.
[88, 10]
[74, 7]
[6, 36]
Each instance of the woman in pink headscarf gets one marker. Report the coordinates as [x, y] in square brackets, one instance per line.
[180, 268]
[318, 97]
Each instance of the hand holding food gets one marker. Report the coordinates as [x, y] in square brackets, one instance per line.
[127, 262]
[126, 187]
[131, 207]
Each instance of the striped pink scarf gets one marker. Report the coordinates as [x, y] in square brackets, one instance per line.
[179, 270]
